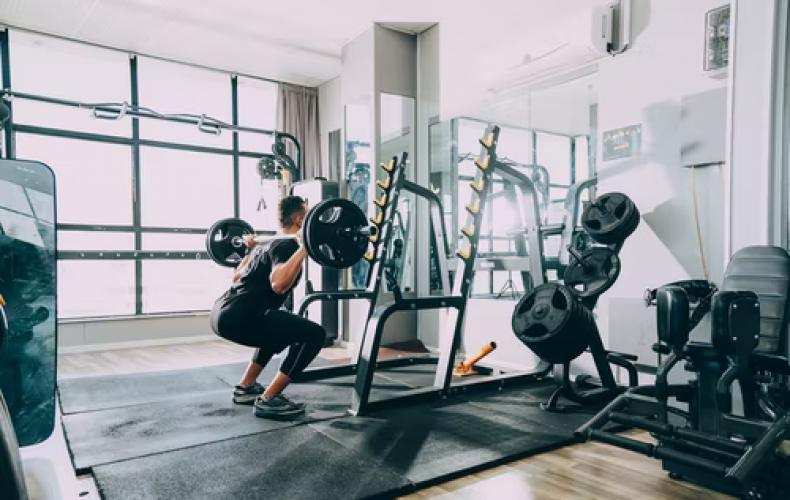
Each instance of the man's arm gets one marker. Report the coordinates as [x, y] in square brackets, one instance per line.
[240, 268]
[284, 274]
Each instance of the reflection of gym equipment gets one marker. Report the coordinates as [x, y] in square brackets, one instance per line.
[335, 232]
[707, 443]
[397, 261]
[27, 323]
[357, 183]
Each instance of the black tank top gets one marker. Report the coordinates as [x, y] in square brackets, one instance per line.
[253, 290]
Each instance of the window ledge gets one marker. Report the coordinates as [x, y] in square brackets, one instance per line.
[100, 319]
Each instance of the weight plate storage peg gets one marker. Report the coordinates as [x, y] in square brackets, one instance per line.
[592, 272]
[553, 323]
[611, 218]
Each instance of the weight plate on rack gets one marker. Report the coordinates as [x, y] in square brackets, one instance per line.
[611, 218]
[597, 272]
[224, 242]
[326, 235]
[553, 323]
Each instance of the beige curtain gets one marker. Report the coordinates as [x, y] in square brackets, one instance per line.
[297, 114]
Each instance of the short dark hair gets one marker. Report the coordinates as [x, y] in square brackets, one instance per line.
[289, 208]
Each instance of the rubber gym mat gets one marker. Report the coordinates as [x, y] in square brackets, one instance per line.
[419, 375]
[440, 440]
[296, 463]
[100, 437]
[415, 375]
[118, 391]
[525, 401]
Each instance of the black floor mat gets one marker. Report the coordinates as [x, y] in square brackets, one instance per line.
[296, 463]
[419, 375]
[414, 375]
[100, 437]
[117, 391]
[441, 439]
[525, 401]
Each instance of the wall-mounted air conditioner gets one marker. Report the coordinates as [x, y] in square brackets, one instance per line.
[577, 41]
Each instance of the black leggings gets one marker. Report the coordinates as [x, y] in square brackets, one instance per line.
[271, 332]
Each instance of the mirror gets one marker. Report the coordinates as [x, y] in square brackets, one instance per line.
[397, 137]
[357, 169]
[28, 286]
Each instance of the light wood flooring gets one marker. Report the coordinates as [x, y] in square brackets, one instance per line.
[585, 471]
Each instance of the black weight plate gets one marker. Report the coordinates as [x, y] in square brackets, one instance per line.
[601, 271]
[611, 218]
[221, 243]
[551, 321]
[323, 240]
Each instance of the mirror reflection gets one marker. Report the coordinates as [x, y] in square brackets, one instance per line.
[397, 138]
[27, 286]
[357, 169]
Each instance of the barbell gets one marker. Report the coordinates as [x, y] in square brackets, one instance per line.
[336, 234]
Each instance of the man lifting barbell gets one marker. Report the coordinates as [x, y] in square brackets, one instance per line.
[250, 314]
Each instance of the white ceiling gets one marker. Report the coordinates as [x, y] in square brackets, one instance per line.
[296, 41]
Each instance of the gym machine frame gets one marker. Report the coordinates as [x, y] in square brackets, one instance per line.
[456, 302]
[377, 257]
[647, 408]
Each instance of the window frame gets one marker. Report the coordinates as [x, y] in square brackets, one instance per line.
[135, 141]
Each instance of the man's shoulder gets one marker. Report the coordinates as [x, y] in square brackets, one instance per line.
[283, 245]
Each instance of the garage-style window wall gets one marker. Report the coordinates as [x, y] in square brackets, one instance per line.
[454, 145]
[139, 184]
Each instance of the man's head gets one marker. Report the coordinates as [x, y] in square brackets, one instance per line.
[292, 211]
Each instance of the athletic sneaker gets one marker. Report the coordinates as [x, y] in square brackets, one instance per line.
[247, 395]
[277, 406]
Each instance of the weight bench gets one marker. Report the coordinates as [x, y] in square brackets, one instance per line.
[713, 446]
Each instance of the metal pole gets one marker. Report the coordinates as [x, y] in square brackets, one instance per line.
[10, 146]
[136, 190]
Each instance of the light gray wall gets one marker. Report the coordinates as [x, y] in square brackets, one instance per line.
[752, 105]
[357, 76]
[395, 61]
[428, 107]
[379, 60]
[645, 86]
[115, 332]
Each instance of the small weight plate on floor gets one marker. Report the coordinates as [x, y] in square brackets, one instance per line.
[552, 322]
[611, 218]
[224, 241]
[323, 236]
[595, 275]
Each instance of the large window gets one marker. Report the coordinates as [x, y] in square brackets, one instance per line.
[124, 192]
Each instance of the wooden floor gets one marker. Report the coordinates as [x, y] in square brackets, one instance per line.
[585, 471]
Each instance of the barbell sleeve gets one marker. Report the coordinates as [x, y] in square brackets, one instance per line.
[359, 231]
